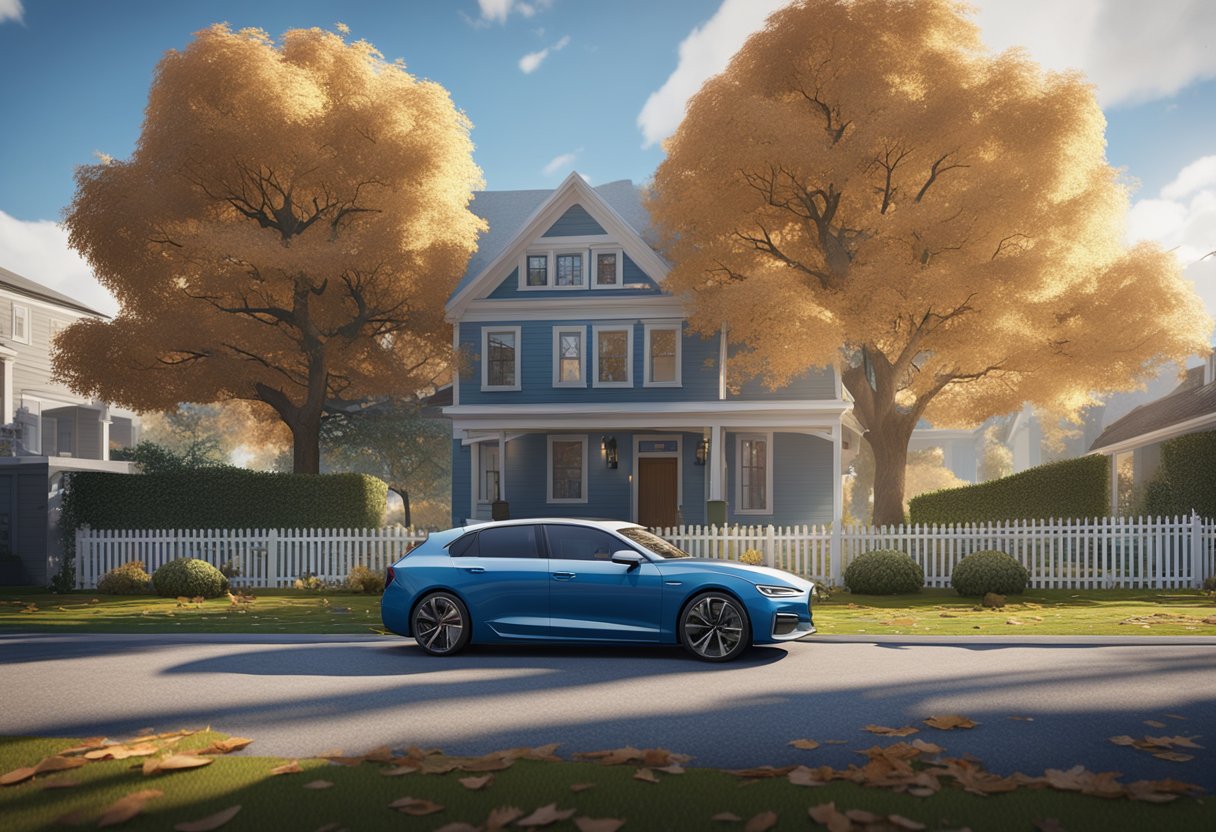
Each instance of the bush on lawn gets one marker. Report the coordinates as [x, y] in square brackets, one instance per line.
[883, 572]
[189, 577]
[362, 579]
[1209, 583]
[1070, 489]
[1186, 481]
[753, 557]
[982, 572]
[129, 579]
[308, 582]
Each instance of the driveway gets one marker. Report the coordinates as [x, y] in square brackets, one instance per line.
[302, 695]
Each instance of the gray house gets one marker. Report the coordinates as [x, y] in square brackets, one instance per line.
[46, 430]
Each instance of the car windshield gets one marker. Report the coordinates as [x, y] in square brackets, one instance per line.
[653, 542]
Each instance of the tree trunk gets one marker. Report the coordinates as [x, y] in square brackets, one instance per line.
[887, 430]
[890, 467]
[306, 443]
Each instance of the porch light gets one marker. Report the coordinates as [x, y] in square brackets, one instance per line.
[608, 447]
[702, 454]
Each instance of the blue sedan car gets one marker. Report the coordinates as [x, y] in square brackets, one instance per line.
[561, 580]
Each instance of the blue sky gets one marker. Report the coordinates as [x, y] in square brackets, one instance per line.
[75, 77]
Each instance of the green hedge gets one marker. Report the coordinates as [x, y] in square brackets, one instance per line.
[1186, 480]
[1072, 488]
[223, 498]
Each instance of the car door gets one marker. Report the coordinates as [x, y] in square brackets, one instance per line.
[590, 597]
[505, 582]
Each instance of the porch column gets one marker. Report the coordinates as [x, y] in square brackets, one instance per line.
[837, 503]
[502, 465]
[7, 358]
[104, 422]
[1114, 484]
[717, 458]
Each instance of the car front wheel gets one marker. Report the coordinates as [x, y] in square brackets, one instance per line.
[441, 624]
[714, 627]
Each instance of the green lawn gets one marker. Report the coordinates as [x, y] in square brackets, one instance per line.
[360, 794]
[931, 612]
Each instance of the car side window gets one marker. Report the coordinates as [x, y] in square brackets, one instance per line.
[464, 547]
[581, 543]
[508, 542]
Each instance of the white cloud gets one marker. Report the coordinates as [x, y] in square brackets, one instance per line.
[39, 250]
[1132, 52]
[1183, 218]
[704, 53]
[531, 62]
[557, 163]
[11, 10]
[497, 11]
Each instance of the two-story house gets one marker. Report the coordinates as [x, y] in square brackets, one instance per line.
[585, 393]
[45, 428]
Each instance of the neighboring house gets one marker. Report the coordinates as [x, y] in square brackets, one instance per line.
[585, 393]
[47, 429]
[1134, 442]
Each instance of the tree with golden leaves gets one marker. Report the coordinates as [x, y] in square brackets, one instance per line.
[866, 186]
[287, 231]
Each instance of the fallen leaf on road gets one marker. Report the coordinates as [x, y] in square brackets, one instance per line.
[1152, 723]
[598, 824]
[288, 768]
[950, 722]
[761, 822]
[208, 823]
[892, 732]
[545, 816]
[125, 808]
[415, 806]
[1175, 716]
[804, 744]
[316, 785]
[475, 783]
[926, 747]
[1174, 756]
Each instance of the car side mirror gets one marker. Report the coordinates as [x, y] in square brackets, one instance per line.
[627, 557]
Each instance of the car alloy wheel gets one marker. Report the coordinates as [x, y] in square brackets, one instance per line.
[714, 627]
[441, 624]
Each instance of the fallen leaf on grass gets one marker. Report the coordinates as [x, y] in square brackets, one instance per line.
[674, 768]
[458, 826]
[316, 785]
[582, 787]
[545, 816]
[476, 783]
[17, 775]
[175, 762]
[950, 722]
[825, 814]
[598, 824]
[902, 822]
[761, 822]
[803, 776]
[58, 763]
[210, 822]
[502, 816]
[415, 806]
[226, 746]
[62, 782]
[645, 775]
[122, 752]
[125, 808]
[804, 744]
[1049, 825]
[293, 767]
[91, 744]
[760, 772]
[892, 732]
[862, 816]
[726, 817]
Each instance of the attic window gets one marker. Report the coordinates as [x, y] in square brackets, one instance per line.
[538, 270]
[607, 269]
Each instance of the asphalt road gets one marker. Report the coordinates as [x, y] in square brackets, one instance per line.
[302, 695]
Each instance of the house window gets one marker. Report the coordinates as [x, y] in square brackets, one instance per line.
[613, 356]
[21, 324]
[569, 270]
[754, 474]
[607, 269]
[567, 469]
[500, 358]
[538, 269]
[569, 351]
[662, 355]
[487, 474]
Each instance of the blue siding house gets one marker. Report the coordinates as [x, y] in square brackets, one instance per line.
[583, 392]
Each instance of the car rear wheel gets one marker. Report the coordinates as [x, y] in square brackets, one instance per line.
[714, 627]
[441, 624]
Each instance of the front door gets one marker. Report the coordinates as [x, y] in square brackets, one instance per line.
[658, 491]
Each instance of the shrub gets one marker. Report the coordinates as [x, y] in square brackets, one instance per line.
[362, 579]
[1186, 481]
[308, 582]
[983, 572]
[189, 577]
[883, 572]
[1072, 488]
[129, 579]
[753, 557]
[1209, 583]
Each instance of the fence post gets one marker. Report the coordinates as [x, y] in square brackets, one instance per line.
[835, 552]
[81, 533]
[272, 558]
[770, 545]
[1196, 553]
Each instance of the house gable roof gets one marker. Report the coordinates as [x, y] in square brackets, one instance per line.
[515, 218]
[1192, 399]
[22, 285]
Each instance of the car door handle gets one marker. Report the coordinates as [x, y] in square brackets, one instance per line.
[563, 576]
[474, 570]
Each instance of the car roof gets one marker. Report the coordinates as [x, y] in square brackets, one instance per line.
[609, 525]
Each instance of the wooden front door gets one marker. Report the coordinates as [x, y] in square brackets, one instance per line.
[657, 491]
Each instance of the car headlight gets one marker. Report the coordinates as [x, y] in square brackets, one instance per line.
[778, 591]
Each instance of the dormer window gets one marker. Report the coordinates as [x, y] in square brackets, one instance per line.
[554, 265]
[538, 269]
[570, 270]
[607, 269]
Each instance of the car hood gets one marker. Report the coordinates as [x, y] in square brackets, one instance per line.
[754, 574]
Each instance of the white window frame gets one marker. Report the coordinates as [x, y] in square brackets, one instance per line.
[564, 437]
[740, 438]
[23, 313]
[595, 268]
[665, 326]
[479, 471]
[558, 332]
[580, 253]
[595, 355]
[485, 358]
[523, 271]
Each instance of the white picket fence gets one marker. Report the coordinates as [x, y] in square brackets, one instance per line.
[1106, 552]
[263, 557]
